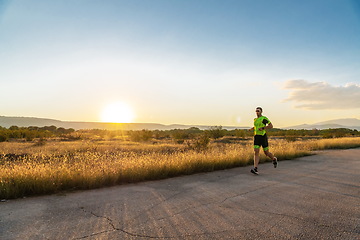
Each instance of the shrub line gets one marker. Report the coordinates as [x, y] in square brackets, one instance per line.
[48, 171]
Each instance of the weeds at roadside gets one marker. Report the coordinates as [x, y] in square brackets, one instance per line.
[32, 169]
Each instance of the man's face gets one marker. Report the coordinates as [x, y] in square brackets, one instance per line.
[258, 112]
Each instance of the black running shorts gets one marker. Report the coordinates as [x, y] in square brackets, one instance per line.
[261, 141]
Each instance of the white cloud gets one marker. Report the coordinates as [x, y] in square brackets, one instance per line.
[321, 95]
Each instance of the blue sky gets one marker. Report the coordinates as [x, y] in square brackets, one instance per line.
[189, 62]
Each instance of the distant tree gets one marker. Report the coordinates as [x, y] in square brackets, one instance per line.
[3, 136]
[61, 130]
[201, 143]
[15, 133]
[240, 133]
[160, 134]
[12, 128]
[33, 128]
[216, 132]
[140, 136]
[50, 128]
[179, 135]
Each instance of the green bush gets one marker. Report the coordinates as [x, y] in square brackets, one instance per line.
[216, 132]
[201, 143]
[140, 136]
[3, 137]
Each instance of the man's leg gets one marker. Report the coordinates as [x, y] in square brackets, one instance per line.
[266, 149]
[256, 156]
[271, 156]
[256, 160]
[257, 144]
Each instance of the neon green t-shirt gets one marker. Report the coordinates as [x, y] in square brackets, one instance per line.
[259, 123]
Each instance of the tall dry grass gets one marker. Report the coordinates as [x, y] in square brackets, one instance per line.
[57, 166]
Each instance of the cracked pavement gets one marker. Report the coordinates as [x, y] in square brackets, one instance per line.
[314, 197]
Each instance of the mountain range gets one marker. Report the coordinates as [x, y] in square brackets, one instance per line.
[351, 123]
[41, 122]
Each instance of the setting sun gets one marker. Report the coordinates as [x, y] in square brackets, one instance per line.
[117, 112]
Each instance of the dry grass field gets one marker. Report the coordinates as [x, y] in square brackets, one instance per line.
[33, 169]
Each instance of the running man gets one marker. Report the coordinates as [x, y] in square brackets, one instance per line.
[261, 123]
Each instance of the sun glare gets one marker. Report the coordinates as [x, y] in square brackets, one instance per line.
[118, 112]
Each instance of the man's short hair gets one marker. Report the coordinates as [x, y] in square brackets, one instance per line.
[259, 108]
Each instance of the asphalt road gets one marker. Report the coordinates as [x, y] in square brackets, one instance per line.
[315, 197]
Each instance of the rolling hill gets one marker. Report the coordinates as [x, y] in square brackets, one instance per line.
[7, 122]
[41, 122]
[351, 123]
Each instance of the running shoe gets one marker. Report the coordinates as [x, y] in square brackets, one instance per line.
[254, 171]
[275, 162]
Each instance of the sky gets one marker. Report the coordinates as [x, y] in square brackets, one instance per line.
[201, 62]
